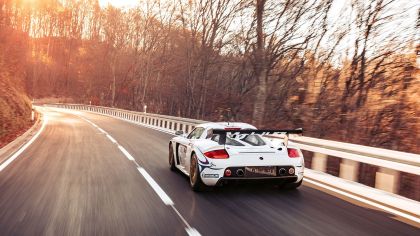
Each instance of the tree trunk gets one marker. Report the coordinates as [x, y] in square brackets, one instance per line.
[260, 69]
[113, 85]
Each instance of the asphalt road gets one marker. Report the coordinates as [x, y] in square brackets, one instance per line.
[73, 180]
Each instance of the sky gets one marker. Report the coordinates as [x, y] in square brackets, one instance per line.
[118, 3]
[335, 14]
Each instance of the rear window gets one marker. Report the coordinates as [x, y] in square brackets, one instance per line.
[229, 141]
[254, 140]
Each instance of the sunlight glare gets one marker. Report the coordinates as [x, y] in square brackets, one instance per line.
[118, 3]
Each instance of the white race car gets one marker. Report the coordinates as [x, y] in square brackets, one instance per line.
[217, 153]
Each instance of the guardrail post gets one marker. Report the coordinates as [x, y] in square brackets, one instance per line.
[349, 170]
[387, 180]
[319, 162]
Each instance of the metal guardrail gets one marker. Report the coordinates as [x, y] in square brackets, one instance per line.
[387, 178]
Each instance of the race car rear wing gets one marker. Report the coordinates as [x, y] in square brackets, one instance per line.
[264, 132]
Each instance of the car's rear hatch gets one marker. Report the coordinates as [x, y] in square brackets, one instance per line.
[257, 155]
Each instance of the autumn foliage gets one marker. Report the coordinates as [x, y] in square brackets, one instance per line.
[345, 73]
[15, 107]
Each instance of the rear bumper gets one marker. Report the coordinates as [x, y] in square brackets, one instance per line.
[274, 180]
[212, 177]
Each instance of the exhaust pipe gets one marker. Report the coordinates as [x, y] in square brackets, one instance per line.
[282, 171]
[240, 172]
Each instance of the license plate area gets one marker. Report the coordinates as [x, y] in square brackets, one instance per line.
[260, 171]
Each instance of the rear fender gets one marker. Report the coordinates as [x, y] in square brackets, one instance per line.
[202, 146]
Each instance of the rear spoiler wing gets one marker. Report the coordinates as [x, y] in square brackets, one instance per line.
[265, 132]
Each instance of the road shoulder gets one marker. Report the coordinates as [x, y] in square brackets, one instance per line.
[7, 151]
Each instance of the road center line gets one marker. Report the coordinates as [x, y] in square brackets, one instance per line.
[165, 198]
[16, 154]
[127, 154]
[190, 230]
[155, 186]
[111, 138]
[103, 131]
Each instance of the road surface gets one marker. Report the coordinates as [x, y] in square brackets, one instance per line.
[75, 180]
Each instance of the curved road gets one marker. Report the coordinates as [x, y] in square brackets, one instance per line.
[75, 180]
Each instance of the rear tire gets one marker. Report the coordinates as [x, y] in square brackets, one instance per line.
[171, 158]
[291, 186]
[195, 179]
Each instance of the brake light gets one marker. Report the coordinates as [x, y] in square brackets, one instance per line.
[293, 153]
[217, 154]
[232, 129]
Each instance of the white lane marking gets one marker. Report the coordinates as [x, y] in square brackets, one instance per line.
[90, 122]
[127, 154]
[164, 130]
[111, 138]
[161, 193]
[192, 232]
[377, 205]
[103, 131]
[16, 154]
[165, 198]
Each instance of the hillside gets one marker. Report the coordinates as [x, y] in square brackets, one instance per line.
[15, 107]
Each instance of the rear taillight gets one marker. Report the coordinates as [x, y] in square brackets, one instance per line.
[217, 154]
[293, 153]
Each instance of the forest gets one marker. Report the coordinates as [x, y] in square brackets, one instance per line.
[341, 70]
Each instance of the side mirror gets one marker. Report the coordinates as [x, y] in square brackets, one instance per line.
[179, 132]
